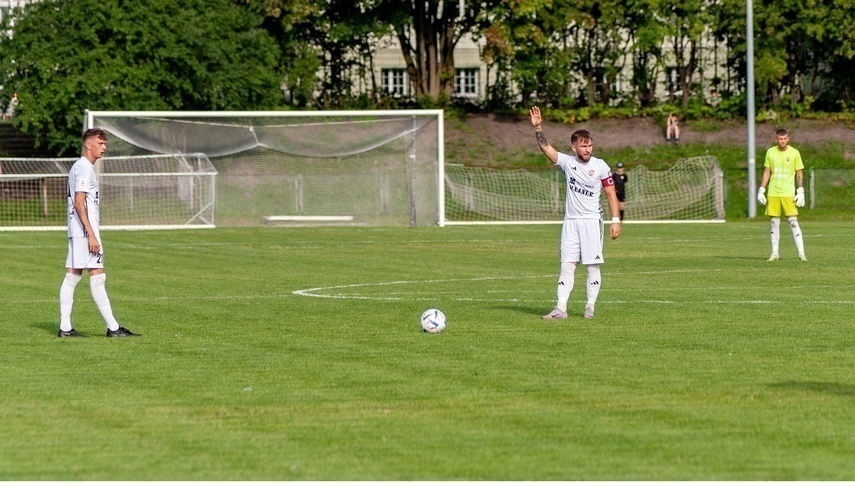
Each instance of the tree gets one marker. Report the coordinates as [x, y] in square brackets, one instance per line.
[687, 22]
[646, 35]
[65, 57]
[428, 31]
[326, 46]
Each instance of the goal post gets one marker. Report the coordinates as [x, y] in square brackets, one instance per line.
[690, 190]
[366, 167]
[137, 192]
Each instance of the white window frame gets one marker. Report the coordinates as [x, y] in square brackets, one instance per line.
[467, 82]
[395, 82]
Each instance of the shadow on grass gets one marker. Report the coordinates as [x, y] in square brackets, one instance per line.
[525, 310]
[50, 328]
[826, 387]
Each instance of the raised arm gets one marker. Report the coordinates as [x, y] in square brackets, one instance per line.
[545, 146]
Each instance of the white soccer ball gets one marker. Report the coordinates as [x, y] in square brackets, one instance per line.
[433, 321]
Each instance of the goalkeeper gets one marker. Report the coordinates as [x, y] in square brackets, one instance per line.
[783, 167]
[586, 178]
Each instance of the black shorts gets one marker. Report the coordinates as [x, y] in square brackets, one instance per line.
[621, 197]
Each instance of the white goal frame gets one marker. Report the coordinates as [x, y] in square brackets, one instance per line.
[201, 188]
[484, 195]
[91, 116]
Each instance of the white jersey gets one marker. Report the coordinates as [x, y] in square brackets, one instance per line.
[585, 183]
[81, 178]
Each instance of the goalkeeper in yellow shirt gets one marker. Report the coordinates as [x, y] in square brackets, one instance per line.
[783, 168]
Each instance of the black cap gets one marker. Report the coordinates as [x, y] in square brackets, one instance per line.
[619, 164]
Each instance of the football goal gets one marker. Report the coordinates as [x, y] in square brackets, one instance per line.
[689, 190]
[137, 192]
[372, 167]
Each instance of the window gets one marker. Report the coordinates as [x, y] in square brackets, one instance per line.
[672, 80]
[394, 82]
[599, 84]
[466, 82]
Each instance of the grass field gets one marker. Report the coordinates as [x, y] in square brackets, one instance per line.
[295, 354]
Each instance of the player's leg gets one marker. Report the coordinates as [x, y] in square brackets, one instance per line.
[773, 210]
[66, 301]
[97, 285]
[793, 220]
[797, 236]
[592, 257]
[75, 261]
[98, 288]
[788, 207]
[569, 256]
[775, 227]
[594, 279]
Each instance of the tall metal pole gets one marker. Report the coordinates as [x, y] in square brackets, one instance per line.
[749, 88]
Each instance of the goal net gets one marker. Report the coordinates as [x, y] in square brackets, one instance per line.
[137, 192]
[301, 168]
[689, 190]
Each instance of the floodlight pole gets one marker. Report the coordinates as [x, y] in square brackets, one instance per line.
[749, 88]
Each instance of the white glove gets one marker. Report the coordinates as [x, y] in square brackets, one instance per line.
[761, 195]
[800, 197]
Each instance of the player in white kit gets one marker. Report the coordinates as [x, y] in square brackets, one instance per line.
[84, 239]
[586, 178]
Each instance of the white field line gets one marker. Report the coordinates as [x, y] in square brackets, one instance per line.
[349, 291]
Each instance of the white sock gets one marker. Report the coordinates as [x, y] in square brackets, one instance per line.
[594, 280]
[776, 235]
[565, 284]
[66, 300]
[99, 294]
[797, 234]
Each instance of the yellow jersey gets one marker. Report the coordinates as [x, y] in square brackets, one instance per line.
[783, 165]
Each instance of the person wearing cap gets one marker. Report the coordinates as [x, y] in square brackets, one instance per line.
[620, 187]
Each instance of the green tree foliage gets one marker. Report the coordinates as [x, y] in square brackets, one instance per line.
[428, 32]
[327, 45]
[64, 57]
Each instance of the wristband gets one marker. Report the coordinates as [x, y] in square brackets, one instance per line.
[615, 219]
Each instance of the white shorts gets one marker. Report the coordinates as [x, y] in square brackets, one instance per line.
[582, 241]
[79, 256]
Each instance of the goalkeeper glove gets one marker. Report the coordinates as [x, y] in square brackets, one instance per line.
[761, 195]
[800, 197]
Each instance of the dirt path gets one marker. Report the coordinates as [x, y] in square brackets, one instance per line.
[495, 136]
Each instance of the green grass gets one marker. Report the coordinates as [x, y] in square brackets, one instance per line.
[704, 362]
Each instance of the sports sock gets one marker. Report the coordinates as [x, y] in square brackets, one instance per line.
[594, 280]
[99, 294]
[621, 215]
[66, 300]
[565, 284]
[797, 234]
[776, 235]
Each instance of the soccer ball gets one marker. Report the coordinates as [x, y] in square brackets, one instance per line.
[433, 321]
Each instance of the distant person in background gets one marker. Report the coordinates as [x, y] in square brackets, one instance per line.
[713, 100]
[84, 239]
[783, 168]
[672, 128]
[10, 108]
[620, 187]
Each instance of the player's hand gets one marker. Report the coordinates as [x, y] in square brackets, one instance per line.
[94, 245]
[614, 230]
[536, 118]
[800, 197]
[761, 195]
